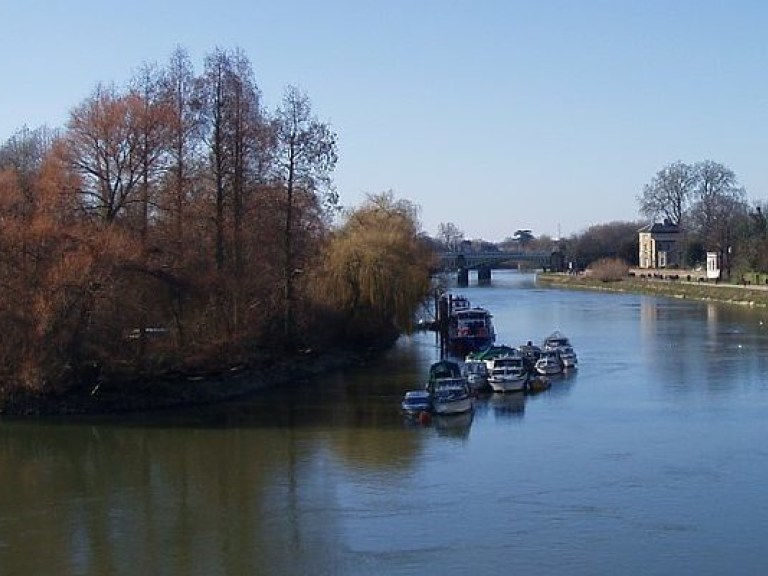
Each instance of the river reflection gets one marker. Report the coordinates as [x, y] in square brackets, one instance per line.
[649, 459]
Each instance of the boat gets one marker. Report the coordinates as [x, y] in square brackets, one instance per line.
[556, 340]
[449, 304]
[549, 363]
[457, 302]
[448, 389]
[530, 353]
[476, 373]
[470, 330]
[451, 396]
[568, 357]
[489, 354]
[416, 401]
[560, 342]
[478, 364]
[444, 369]
[508, 374]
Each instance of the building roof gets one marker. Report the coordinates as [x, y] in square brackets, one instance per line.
[662, 228]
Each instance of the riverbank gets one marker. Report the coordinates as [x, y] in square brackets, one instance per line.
[170, 391]
[749, 295]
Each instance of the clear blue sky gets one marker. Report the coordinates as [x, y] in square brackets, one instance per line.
[494, 115]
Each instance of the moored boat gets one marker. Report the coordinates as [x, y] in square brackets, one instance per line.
[416, 401]
[476, 373]
[449, 390]
[491, 353]
[556, 340]
[560, 342]
[444, 369]
[508, 374]
[451, 396]
[470, 330]
[568, 357]
[457, 302]
[549, 363]
[531, 354]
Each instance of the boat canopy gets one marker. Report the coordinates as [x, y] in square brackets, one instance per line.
[556, 339]
[493, 352]
[444, 369]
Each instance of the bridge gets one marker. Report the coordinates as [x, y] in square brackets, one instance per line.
[484, 262]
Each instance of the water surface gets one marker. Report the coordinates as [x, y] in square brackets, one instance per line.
[650, 459]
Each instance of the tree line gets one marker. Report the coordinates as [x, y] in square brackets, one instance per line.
[704, 199]
[176, 224]
[707, 202]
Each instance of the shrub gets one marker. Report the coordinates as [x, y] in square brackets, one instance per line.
[609, 269]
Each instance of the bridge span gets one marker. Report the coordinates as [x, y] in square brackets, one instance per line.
[485, 262]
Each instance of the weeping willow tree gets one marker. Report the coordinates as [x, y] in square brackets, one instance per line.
[376, 271]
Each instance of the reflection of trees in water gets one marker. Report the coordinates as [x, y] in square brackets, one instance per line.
[703, 347]
[368, 448]
[103, 500]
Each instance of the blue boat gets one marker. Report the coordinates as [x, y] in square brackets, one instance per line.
[416, 401]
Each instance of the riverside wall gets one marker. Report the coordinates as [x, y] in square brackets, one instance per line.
[671, 285]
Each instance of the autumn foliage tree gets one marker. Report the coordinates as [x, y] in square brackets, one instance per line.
[175, 225]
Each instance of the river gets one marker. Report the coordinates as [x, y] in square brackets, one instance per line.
[650, 459]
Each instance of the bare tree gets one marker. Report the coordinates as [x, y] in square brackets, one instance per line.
[716, 192]
[720, 206]
[611, 240]
[450, 235]
[153, 127]
[184, 139]
[669, 194]
[244, 125]
[213, 96]
[305, 158]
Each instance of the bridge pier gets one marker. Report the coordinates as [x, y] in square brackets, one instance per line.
[463, 278]
[484, 276]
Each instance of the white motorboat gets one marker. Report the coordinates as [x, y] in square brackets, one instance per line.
[558, 341]
[448, 389]
[568, 357]
[451, 396]
[549, 363]
[508, 374]
[476, 373]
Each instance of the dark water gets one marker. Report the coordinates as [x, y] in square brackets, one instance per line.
[651, 459]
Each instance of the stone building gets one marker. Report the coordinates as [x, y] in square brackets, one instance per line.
[661, 245]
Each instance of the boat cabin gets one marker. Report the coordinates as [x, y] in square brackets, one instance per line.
[472, 322]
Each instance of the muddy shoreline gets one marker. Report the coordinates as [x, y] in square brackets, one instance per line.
[177, 390]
